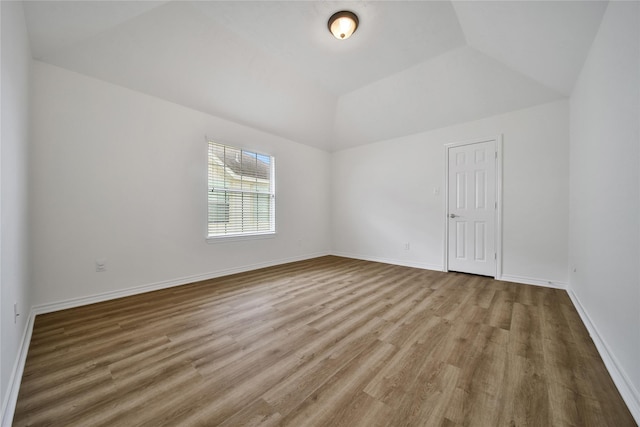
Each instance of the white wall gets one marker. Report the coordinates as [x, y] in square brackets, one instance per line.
[383, 194]
[14, 280]
[457, 86]
[605, 190]
[122, 176]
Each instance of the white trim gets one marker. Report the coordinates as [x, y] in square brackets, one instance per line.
[106, 296]
[10, 383]
[533, 281]
[522, 280]
[499, 209]
[498, 217]
[628, 392]
[240, 237]
[445, 236]
[403, 263]
[11, 398]
[625, 386]
[272, 180]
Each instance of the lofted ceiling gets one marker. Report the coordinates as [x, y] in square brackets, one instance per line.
[411, 66]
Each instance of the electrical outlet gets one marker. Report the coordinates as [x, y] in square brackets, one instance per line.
[407, 246]
[101, 265]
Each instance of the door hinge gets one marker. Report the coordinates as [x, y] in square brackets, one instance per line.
[495, 205]
[495, 255]
[496, 154]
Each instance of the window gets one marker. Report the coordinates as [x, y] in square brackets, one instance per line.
[241, 197]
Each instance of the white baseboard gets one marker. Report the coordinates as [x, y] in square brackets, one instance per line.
[11, 398]
[106, 296]
[626, 388]
[507, 277]
[403, 263]
[533, 281]
[622, 381]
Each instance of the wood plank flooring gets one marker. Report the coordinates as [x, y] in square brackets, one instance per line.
[325, 342]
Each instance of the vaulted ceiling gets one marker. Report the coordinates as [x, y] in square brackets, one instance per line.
[411, 66]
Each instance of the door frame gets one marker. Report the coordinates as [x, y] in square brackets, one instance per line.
[498, 225]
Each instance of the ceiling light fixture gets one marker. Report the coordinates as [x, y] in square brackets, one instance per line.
[342, 24]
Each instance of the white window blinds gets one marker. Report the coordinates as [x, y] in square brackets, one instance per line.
[241, 196]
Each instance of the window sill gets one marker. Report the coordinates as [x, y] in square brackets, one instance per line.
[240, 237]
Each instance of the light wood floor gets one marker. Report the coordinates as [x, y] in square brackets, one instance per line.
[325, 342]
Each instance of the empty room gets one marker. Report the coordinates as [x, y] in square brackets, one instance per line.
[320, 213]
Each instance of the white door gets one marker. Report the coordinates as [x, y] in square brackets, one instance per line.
[472, 208]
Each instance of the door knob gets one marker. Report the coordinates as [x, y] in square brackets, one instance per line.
[453, 216]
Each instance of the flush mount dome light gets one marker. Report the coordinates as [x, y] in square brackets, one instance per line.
[342, 24]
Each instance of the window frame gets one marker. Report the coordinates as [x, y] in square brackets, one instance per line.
[229, 192]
